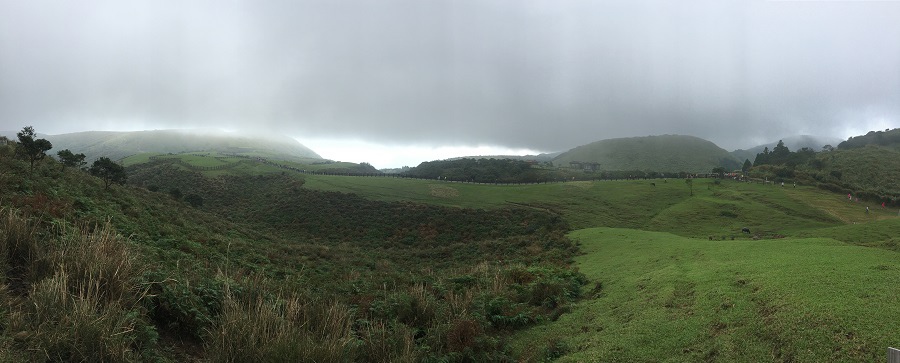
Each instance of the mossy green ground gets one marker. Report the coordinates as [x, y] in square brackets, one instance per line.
[661, 297]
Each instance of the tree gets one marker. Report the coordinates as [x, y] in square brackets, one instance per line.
[747, 166]
[31, 149]
[779, 155]
[109, 171]
[720, 171]
[828, 148]
[763, 157]
[67, 158]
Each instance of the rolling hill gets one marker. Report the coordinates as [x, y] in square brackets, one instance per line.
[117, 145]
[395, 269]
[663, 153]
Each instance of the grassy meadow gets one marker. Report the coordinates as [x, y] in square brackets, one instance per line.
[660, 297]
[672, 278]
[277, 265]
[715, 209]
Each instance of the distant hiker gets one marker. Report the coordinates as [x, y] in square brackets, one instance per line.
[795, 184]
[867, 209]
[849, 198]
[782, 184]
[745, 230]
[882, 205]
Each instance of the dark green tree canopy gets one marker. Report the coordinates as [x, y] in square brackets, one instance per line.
[32, 149]
[67, 158]
[747, 165]
[719, 170]
[109, 171]
[194, 200]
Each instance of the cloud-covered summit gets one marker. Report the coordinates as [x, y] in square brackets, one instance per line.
[527, 74]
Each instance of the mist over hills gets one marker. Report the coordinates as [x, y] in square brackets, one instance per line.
[664, 153]
[793, 143]
[117, 145]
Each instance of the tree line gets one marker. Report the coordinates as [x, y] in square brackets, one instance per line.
[33, 149]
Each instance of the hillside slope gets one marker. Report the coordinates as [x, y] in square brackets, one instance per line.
[664, 153]
[129, 274]
[117, 145]
[793, 143]
[888, 138]
[871, 172]
[660, 297]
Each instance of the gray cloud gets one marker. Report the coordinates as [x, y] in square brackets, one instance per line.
[544, 75]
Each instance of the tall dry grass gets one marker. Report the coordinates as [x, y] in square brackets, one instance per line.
[74, 291]
[282, 329]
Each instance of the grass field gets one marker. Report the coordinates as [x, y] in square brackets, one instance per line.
[665, 286]
[714, 210]
[673, 278]
[661, 297]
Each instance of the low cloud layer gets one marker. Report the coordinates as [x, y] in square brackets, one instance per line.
[542, 75]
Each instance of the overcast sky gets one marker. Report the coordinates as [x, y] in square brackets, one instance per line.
[427, 74]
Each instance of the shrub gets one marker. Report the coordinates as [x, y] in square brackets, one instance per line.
[176, 305]
[194, 200]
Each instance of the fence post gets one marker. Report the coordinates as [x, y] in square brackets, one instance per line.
[893, 355]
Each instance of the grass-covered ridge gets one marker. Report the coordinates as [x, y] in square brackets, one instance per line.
[215, 164]
[117, 145]
[664, 153]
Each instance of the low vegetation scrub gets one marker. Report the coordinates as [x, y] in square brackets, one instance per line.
[75, 291]
[282, 329]
[265, 270]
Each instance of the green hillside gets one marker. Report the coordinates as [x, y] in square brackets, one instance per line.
[665, 153]
[272, 265]
[214, 164]
[117, 145]
[661, 297]
[888, 138]
[871, 173]
[263, 270]
[793, 142]
[871, 170]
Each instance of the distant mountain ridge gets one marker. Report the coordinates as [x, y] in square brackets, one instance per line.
[116, 145]
[793, 143]
[662, 153]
